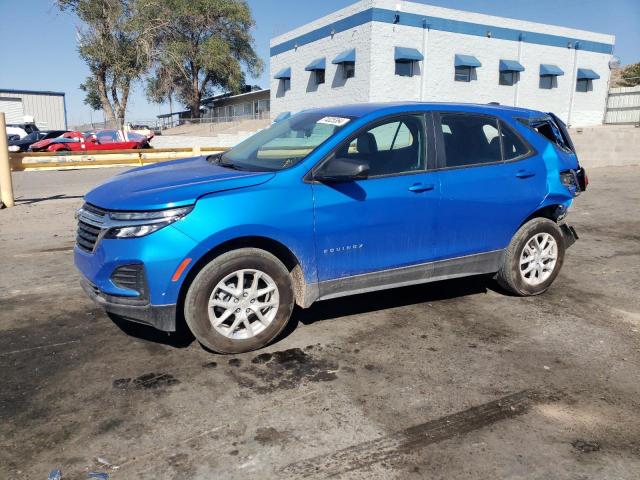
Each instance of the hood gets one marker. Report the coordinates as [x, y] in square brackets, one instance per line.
[171, 184]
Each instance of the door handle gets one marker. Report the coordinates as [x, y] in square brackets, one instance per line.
[421, 187]
[525, 174]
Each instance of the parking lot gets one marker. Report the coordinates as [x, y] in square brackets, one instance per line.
[449, 380]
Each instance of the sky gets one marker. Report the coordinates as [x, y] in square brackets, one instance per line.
[38, 48]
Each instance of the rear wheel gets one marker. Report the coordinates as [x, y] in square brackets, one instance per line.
[533, 259]
[240, 301]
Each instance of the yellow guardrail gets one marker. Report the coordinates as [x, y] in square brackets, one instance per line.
[103, 158]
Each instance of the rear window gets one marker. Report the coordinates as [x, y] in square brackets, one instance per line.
[551, 131]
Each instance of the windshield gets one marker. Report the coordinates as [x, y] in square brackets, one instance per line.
[283, 144]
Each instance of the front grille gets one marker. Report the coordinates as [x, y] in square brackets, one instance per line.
[130, 277]
[90, 222]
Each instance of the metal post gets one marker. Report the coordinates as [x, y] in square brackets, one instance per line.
[6, 187]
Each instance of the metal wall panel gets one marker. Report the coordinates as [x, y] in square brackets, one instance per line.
[623, 106]
[47, 110]
[12, 108]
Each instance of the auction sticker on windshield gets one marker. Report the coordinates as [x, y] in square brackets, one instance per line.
[337, 121]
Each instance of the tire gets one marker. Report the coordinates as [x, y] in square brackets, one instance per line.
[221, 277]
[525, 278]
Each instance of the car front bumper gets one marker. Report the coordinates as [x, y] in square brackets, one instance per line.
[162, 317]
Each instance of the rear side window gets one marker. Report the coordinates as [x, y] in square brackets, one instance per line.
[470, 139]
[512, 145]
[548, 129]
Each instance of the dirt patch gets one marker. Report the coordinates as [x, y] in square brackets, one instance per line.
[389, 448]
[269, 436]
[586, 446]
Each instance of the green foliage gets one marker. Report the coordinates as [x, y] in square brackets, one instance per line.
[92, 97]
[193, 48]
[112, 48]
[200, 46]
[631, 75]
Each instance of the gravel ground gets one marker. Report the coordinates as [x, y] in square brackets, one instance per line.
[448, 380]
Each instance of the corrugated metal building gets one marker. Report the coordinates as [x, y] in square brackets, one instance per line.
[48, 109]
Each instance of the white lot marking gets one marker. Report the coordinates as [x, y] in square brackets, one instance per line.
[43, 288]
[38, 348]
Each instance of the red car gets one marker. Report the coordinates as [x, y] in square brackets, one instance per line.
[90, 141]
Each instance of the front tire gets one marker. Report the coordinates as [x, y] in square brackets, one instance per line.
[240, 301]
[533, 259]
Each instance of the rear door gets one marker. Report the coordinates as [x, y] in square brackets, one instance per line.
[491, 181]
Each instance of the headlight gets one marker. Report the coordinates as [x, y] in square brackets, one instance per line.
[14, 148]
[140, 224]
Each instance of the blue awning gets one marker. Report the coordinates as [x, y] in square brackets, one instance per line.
[348, 56]
[284, 74]
[467, 61]
[511, 66]
[408, 55]
[318, 64]
[547, 69]
[587, 74]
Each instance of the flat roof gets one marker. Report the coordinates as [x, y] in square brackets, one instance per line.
[226, 96]
[443, 19]
[32, 92]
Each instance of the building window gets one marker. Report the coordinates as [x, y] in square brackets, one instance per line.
[547, 82]
[583, 85]
[463, 74]
[405, 69]
[349, 69]
[319, 77]
[508, 78]
[286, 84]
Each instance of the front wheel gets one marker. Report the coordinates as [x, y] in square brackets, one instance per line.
[533, 259]
[240, 301]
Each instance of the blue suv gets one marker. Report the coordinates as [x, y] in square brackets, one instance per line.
[328, 203]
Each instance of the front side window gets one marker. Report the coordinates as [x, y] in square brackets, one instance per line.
[463, 74]
[470, 139]
[284, 144]
[349, 69]
[405, 69]
[508, 78]
[390, 148]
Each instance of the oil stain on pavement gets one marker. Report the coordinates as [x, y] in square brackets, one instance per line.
[283, 370]
[148, 381]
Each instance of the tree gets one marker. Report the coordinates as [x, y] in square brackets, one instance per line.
[113, 49]
[631, 75]
[200, 46]
[161, 87]
[92, 97]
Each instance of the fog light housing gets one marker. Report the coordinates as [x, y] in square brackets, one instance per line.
[131, 277]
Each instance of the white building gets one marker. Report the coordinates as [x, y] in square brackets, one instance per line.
[389, 50]
[48, 109]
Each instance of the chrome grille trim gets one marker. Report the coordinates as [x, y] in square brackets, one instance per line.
[91, 221]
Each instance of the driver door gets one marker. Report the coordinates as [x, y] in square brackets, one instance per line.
[388, 220]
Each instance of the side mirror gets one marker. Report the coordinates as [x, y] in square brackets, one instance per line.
[339, 170]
